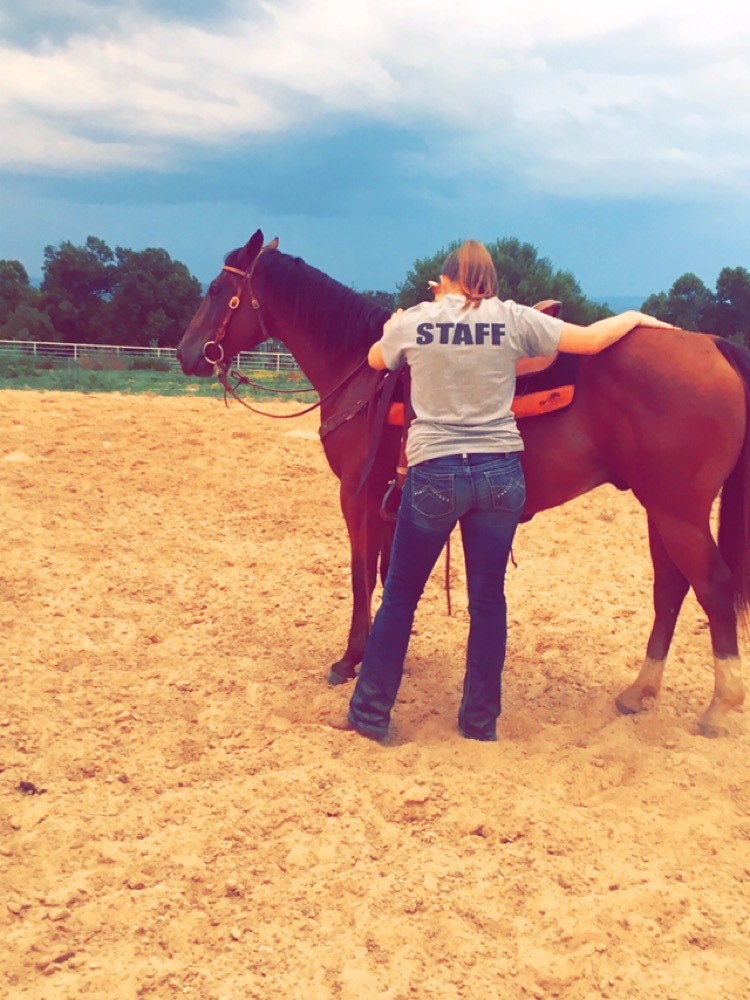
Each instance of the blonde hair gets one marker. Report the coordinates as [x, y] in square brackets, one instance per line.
[472, 269]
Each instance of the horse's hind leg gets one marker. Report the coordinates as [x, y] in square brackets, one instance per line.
[695, 553]
[670, 588]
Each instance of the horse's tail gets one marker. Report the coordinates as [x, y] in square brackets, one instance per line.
[734, 515]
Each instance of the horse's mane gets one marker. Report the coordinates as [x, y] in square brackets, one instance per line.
[342, 321]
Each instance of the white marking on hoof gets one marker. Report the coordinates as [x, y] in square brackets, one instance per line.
[729, 693]
[646, 685]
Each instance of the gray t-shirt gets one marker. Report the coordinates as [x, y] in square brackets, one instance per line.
[463, 371]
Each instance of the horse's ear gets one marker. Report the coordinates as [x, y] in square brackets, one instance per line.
[251, 249]
[273, 245]
[549, 306]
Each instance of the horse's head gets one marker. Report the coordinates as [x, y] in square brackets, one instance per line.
[225, 322]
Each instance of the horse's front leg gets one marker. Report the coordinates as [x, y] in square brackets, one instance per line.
[362, 522]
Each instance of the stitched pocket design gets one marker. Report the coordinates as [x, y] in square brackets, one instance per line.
[433, 495]
[508, 492]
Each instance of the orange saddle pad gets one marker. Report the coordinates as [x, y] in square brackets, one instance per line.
[533, 404]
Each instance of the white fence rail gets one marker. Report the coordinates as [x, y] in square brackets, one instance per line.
[101, 353]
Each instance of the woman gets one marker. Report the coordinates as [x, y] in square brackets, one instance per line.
[463, 454]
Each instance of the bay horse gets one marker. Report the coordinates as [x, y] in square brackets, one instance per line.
[663, 413]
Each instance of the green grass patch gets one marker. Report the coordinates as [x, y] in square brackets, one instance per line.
[141, 375]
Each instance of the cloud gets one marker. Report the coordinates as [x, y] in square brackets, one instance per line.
[596, 99]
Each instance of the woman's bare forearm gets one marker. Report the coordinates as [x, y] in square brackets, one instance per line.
[604, 332]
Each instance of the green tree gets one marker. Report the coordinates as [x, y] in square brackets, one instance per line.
[522, 274]
[15, 287]
[657, 305]
[28, 322]
[75, 289]
[689, 304]
[95, 295]
[153, 298]
[21, 315]
[381, 298]
[733, 303]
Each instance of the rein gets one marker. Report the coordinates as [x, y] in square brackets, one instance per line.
[224, 373]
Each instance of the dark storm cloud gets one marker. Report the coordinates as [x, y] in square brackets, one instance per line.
[308, 174]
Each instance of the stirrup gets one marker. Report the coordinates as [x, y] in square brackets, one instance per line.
[391, 502]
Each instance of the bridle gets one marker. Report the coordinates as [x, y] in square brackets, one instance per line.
[233, 305]
[221, 364]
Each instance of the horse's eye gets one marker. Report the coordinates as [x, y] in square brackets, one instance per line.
[213, 289]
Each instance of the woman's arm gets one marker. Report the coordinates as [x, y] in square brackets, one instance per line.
[375, 357]
[594, 338]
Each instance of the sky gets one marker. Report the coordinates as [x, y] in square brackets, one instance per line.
[614, 137]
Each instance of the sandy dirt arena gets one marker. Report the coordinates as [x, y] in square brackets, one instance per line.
[174, 586]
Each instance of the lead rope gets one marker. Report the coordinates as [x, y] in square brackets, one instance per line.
[448, 575]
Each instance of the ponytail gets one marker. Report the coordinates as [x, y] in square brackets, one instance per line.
[472, 269]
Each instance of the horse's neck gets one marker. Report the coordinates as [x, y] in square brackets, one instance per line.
[301, 344]
[304, 342]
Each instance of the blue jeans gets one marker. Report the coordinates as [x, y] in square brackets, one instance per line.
[486, 493]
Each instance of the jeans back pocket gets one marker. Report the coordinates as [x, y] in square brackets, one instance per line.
[507, 491]
[433, 494]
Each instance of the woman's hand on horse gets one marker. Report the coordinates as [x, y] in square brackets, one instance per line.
[643, 319]
[605, 332]
[375, 357]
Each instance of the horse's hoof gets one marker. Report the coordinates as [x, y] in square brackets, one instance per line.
[334, 678]
[712, 732]
[624, 709]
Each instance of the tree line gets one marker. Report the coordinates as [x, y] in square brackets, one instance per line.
[690, 304]
[92, 294]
